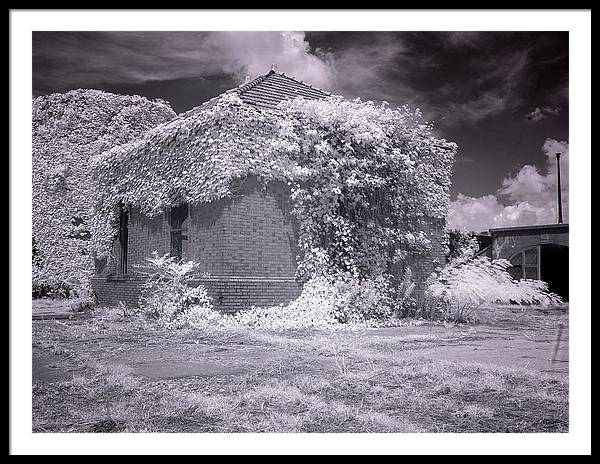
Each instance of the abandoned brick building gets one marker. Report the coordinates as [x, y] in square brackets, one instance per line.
[247, 243]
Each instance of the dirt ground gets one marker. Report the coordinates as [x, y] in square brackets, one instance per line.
[528, 345]
[517, 338]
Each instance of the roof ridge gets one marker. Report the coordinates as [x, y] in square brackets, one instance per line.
[249, 85]
[271, 95]
[299, 81]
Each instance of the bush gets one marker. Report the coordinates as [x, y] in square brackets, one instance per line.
[458, 289]
[169, 295]
[462, 244]
[326, 301]
[85, 303]
[45, 286]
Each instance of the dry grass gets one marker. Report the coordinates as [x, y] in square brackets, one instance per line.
[318, 383]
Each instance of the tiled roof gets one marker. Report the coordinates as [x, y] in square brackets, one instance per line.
[268, 90]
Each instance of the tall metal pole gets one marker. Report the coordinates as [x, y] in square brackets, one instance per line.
[560, 218]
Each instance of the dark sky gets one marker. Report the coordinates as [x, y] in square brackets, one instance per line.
[499, 95]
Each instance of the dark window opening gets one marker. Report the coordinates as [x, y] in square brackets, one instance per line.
[554, 268]
[123, 240]
[178, 215]
[547, 262]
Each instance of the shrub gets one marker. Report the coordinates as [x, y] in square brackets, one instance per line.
[44, 285]
[314, 308]
[359, 300]
[462, 244]
[84, 303]
[326, 301]
[169, 294]
[459, 288]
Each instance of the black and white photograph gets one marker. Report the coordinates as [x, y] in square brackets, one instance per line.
[296, 233]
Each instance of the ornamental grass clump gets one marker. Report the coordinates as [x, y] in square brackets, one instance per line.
[455, 291]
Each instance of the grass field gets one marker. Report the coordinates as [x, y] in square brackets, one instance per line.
[110, 373]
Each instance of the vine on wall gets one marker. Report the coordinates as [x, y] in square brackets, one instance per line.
[367, 181]
[67, 130]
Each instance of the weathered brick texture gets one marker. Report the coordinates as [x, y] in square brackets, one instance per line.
[247, 243]
[229, 294]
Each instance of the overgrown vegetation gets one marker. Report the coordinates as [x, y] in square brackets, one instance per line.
[173, 297]
[67, 130]
[369, 184]
[169, 295]
[462, 244]
[326, 301]
[455, 291]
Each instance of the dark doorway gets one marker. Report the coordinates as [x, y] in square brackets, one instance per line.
[554, 268]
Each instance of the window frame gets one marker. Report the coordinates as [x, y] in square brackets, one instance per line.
[124, 218]
[526, 269]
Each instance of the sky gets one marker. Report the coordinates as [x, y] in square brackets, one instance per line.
[501, 96]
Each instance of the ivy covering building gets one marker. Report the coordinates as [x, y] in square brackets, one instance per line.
[269, 184]
[67, 130]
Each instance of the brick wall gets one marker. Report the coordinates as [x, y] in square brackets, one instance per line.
[110, 291]
[229, 294]
[247, 243]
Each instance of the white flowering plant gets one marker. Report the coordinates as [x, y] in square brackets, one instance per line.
[326, 302]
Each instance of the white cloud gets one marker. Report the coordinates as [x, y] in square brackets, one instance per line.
[527, 198]
[254, 53]
[487, 104]
[364, 70]
[538, 113]
[137, 57]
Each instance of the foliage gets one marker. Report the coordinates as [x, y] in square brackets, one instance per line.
[364, 179]
[325, 302]
[404, 302]
[67, 130]
[84, 303]
[370, 182]
[462, 244]
[169, 294]
[459, 288]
